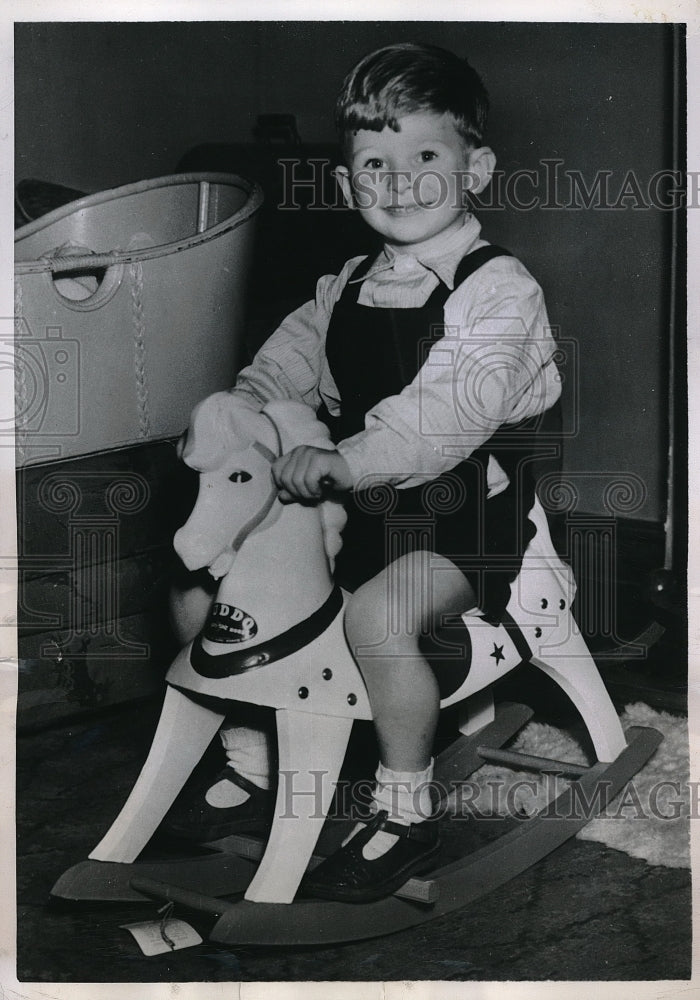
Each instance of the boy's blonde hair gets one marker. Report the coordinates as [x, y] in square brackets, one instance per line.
[407, 77]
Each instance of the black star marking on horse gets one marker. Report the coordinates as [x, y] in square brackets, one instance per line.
[497, 653]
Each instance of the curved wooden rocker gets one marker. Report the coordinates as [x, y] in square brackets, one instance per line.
[275, 638]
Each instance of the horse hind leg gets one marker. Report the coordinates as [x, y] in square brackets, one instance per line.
[568, 662]
[541, 607]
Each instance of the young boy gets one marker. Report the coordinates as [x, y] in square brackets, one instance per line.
[436, 360]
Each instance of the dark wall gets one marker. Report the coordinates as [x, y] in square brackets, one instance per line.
[98, 105]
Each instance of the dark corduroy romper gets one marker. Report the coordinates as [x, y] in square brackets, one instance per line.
[374, 353]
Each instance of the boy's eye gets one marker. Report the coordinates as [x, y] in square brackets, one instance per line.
[427, 155]
[374, 163]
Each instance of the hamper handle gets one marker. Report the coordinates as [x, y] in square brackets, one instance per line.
[84, 262]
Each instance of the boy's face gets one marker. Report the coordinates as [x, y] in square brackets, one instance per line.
[410, 185]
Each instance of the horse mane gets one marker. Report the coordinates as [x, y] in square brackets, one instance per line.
[298, 424]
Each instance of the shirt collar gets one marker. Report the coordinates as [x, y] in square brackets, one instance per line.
[439, 255]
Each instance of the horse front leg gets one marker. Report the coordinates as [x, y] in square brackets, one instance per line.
[184, 732]
[311, 753]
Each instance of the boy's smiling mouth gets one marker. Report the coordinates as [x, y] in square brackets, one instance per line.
[406, 209]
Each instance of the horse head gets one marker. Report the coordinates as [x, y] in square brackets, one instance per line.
[232, 446]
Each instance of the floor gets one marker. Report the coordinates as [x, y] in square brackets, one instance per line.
[586, 912]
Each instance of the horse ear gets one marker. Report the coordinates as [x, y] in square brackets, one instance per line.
[246, 425]
[203, 446]
[220, 424]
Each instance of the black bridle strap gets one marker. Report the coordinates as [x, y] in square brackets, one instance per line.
[257, 519]
[294, 639]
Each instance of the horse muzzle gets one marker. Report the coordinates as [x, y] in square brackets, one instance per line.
[196, 551]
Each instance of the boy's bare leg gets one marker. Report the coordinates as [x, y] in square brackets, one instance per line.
[384, 621]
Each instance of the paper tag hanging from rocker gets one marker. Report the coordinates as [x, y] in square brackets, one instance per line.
[157, 937]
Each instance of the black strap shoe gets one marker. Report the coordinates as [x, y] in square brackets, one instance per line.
[348, 877]
[197, 820]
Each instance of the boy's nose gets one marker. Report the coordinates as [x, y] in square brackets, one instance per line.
[398, 180]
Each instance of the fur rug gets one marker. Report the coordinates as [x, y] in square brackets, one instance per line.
[650, 817]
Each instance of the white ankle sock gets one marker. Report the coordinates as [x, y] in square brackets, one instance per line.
[405, 795]
[249, 753]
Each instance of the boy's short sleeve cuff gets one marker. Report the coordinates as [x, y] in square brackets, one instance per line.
[352, 454]
[373, 458]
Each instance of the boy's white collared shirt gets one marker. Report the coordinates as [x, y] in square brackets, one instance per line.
[494, 364]
[418, 270]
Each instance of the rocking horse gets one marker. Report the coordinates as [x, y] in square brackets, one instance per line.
[280, 616]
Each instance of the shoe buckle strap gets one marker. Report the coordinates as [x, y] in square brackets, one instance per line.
[421, 833]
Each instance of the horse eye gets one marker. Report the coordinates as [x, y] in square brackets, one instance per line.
[240, 477]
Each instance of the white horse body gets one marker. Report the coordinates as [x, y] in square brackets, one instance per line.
[281, 573]
[275, 564]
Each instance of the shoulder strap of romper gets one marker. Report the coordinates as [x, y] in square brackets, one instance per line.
[476, 259]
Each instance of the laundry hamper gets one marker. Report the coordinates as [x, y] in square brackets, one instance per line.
[128, 311]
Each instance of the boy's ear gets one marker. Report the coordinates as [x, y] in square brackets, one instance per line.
[342, 175]
[482, 163]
